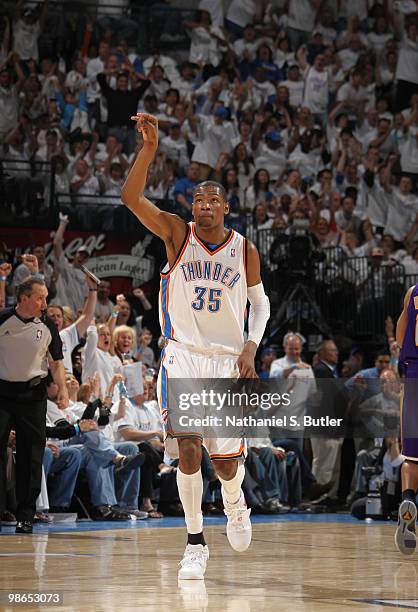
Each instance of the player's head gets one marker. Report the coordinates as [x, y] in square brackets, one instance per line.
[210, 204]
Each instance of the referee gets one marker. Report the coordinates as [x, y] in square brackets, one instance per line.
[29, 344]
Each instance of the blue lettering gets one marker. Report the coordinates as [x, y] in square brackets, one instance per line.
[183, 269]
[207, 270]
[234, 280]
[225, 275]
[198, 268]
[217, 271]
[190, 270]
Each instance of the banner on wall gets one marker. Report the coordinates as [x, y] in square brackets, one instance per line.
[141, 270]
[124, 258]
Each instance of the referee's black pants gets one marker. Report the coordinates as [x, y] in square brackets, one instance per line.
[26, 414]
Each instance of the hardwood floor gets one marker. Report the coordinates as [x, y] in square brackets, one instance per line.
[290, 566]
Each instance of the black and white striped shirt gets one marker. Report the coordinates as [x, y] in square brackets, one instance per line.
[26, 345]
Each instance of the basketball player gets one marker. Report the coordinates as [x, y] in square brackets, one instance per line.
[407, 339]
[210, 274]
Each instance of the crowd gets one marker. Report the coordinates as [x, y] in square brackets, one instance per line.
[302, 110]
[307, 113]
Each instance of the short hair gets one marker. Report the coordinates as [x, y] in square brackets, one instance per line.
[57, 306]
[26, 287]
[290, 336]
[212, 184]
[381, 353]
[323, 344]
[122, 329]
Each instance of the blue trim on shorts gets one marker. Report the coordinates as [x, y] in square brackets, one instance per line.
[167, 331]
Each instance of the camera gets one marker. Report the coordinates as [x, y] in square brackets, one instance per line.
[296, 252]
[375, 479]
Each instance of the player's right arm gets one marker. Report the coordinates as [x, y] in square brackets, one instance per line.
[403, 319]
[170, 228]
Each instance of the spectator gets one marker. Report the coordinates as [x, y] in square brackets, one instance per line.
[301, 21]
[215, 137]
[23, 271]
[27, 28]
[370, 376]
[184, 188]
[258, 189]
[145, 352]
[71, 334]
[207, 40]
[240, 14]
[124, 343]
[122, 104]
[71, 285]
[299, 377]
[407, 67]
[268, 355]
[104, 306]
[326, 462]
[9, 91]
[316, 95]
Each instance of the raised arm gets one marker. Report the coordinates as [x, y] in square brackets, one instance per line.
[5, 270]
[170, 228]
[84, 320]
[58, 240]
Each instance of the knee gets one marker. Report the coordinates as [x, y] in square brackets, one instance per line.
[266, 453]
[410, 466]
[74, 456]
[225, 469]
[130, 448]
[190, 452]
[48, 456]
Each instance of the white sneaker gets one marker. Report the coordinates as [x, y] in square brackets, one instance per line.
[193, 564]
[239, 529]
[405, 537]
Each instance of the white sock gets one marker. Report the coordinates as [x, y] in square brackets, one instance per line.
[231, 489]
[190, 488]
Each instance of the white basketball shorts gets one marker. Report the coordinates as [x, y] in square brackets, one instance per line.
[179, 361]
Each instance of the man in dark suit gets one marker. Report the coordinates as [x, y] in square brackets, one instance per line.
[326, 441]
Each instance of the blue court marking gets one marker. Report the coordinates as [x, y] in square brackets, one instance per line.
[178, 521]
[408, 604]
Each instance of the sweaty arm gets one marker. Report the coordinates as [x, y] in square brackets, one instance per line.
[170, 228]
[403, 319]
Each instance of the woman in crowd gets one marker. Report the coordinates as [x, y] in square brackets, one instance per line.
[243, 165]
[124, 343]
[258, 189]
[99, 356]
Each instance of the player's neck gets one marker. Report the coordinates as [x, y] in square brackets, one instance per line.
[214, 235]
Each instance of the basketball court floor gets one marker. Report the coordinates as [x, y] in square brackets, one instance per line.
[295, 563]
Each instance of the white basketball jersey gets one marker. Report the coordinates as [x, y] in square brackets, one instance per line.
[203, 296]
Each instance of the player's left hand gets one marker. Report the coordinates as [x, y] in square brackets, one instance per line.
[245, 361]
